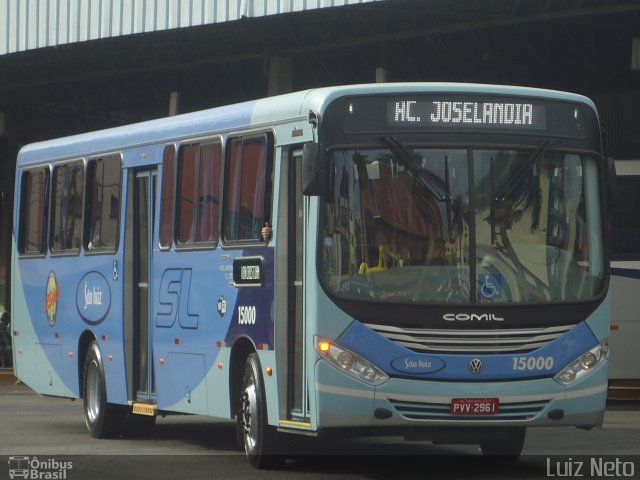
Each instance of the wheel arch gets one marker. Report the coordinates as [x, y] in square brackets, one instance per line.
[83, 346]
[242, 348]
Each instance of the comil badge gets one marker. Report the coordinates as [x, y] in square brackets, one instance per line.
[51, 296]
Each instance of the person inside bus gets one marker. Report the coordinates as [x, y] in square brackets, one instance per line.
[266, 232]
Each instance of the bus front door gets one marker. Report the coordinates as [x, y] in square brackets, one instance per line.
[290, 251]
[138, 259]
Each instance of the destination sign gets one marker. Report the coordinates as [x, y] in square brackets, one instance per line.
[465, 112]
[248, 271]
[462, 112]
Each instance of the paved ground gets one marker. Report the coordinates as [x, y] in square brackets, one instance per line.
[196, 447]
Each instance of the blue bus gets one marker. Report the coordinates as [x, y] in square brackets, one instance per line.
[426, 259]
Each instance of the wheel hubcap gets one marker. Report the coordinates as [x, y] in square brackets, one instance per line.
[249, 416]
[93, 392]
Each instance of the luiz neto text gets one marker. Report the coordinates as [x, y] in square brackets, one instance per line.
[595, 467]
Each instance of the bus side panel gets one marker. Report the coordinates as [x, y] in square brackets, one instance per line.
[99, 304]
[198, 316]
[55, 305]
[37, 358]
[625, 322]
[186, 326]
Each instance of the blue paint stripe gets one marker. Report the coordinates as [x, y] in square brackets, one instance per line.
[383, 352]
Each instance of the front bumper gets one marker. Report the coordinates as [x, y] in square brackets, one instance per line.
[343, 401]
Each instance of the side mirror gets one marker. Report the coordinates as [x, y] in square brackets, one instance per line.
[313, 169]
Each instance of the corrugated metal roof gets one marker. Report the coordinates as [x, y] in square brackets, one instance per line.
[29, 24]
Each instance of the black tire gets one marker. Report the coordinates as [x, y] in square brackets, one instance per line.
[508, 447]
[260, 440]
[104, 420]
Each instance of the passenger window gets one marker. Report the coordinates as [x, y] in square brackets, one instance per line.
[103, 204]
[167, 199]
[33, 209]
[66, 211]
[199, 167]
[248, 188]
[625, 235]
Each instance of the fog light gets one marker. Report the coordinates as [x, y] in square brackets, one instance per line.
[346, 360]
[567, 375]
[588, 361]
[368, 373]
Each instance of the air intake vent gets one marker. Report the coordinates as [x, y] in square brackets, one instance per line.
[442, 411]
[471, 341]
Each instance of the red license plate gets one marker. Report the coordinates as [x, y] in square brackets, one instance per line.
[475, 406]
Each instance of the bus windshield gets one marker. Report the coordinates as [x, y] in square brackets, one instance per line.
[423, 225]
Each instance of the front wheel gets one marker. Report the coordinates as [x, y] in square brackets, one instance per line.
[257, 436]
[104, 420]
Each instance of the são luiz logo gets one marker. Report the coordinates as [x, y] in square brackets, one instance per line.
[51, 298]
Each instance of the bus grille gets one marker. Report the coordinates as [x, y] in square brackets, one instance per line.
[471, 341]
[442, 411]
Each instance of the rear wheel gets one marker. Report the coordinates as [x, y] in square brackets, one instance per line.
[508, 447]
[258, 438]
[103, 419]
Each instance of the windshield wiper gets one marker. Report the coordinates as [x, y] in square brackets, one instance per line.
[521, 173]
[435, 185]
[425, 177]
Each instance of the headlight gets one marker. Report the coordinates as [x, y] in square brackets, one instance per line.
[582, 365]
[349, 362]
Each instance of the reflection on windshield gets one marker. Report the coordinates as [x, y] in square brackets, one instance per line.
[460, 226]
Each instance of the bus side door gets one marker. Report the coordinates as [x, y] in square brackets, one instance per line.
[290, 252]
[138, 260]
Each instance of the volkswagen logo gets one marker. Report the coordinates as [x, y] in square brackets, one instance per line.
[475, 365]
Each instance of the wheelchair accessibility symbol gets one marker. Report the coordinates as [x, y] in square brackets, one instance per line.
[490, 286]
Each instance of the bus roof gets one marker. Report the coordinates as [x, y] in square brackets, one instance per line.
[247, 115]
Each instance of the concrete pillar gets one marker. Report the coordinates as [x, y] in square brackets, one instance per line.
[280, 75]
[174, 101]
[382, 75]
[7, 166]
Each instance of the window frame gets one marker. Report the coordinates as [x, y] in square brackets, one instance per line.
[22, 225]
[172, 199]
[269, 145]
[178, 175]
[88, 210]
[51, 222]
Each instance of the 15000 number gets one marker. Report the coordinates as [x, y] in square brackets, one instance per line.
[246, 315]
[532, 363]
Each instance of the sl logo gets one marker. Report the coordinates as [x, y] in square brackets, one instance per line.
[175, 288]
